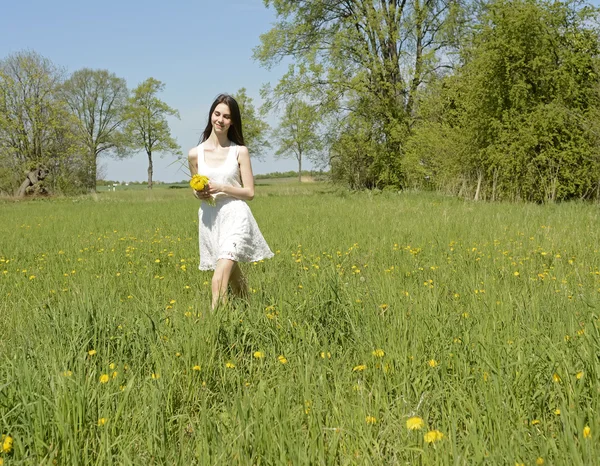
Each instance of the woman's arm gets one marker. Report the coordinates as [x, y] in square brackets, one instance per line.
[193, 161]
[245, 193]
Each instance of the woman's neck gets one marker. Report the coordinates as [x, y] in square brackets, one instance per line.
[219, 141]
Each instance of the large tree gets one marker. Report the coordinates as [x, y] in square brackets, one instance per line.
[366, 59]
[297, 135]
[36, 129]
[146, 126]
[97, 98]
[254, 125]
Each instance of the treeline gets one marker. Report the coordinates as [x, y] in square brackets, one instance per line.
[54, 126]
[496, 100]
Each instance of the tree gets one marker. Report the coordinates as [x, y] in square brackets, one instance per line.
[297, 135]
[366, 59]
[97, 98]
[146, 126]
[36, 129]
[255, 127]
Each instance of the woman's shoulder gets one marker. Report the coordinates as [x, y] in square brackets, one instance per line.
[193, 153]
[243, 151]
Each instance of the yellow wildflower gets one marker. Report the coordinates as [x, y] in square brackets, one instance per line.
[102, 421]
[433, 436]
[557, 412]
[587, 432]
[539, 461]
[370, 420]
[282, 359]
[556, 377]
[67, 373]
[432, 363]
[535, 422]
[259, 354]
[414, 423]
[155, 376]
[359, 368]
[579, 375]
[378, 353]
[229, 365]
[111, 366]
[104, 378]
[196, 368]
[92, 352]
[7, 443]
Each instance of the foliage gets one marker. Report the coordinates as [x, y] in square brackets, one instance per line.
[255, 127]
[146, 127]
[365, 60]
[97, 98]
[36, 128]
[297, 135]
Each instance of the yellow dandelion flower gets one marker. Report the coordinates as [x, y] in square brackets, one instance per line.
[371, 420]
[229, 365]
[557, 412]
[539, 461]
[259, 354]
[579, 375]
[325, 355]
[102, 421]
[155, 376]
[556, 377]
[111, 366]
[104, 378]
[378, 353]
[414, 423]
[282, 359]
[67, 373]
[516, 274]
[7, 443]
[383, 306]
[587, 432]
[433, 436]
[535, 422]
[196, 368]
[359, 368]
[432, 363]
[92, 352]
[114, 374]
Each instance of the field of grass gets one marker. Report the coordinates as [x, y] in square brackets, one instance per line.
[476, 324]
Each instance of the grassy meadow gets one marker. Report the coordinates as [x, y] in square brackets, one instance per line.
[475, 324]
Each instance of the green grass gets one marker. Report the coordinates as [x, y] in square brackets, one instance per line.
[487, 314]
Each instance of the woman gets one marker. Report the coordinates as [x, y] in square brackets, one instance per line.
[228, 232]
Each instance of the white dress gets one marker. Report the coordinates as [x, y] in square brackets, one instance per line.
[227, 230]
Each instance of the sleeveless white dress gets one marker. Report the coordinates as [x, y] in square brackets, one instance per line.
[227, 230]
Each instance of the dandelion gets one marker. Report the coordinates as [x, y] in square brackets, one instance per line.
[535, 422]
[371, 420]
[307, 406]
[587, 432]
[102, 421]
[557, 412]
[92, 352]
[155, 376]
[114, 374]
[414, 423]
[432, 363]
[516, 274]
[259, 354]
[282, 359]
[539, 461]
[325, 355]
[579, 375]
[104, 378]
[383, 306]
[111, 366]
[556, 377]
[359, 368]
[433, 436]
[67, 373]
[196, 368]
[7, 443]
[229, 365]
[378, 353]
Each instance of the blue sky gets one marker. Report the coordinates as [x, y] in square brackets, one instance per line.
[198, 49]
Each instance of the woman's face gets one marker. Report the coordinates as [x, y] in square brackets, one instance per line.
[221, 118]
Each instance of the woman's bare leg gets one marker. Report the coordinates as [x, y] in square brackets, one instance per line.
[220, 281]
[237, 281]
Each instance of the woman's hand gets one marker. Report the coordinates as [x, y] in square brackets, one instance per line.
[202, 195]
[213, 188]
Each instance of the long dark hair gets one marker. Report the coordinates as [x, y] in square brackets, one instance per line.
[234, 133]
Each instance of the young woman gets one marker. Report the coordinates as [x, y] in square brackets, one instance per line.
[228, 232]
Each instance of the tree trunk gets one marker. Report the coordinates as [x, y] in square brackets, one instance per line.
[92, 172]
[495, 184]
[149, 170]
[300, 169]
[479, 179]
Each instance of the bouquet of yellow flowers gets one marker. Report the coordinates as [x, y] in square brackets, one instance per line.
[198, 183]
